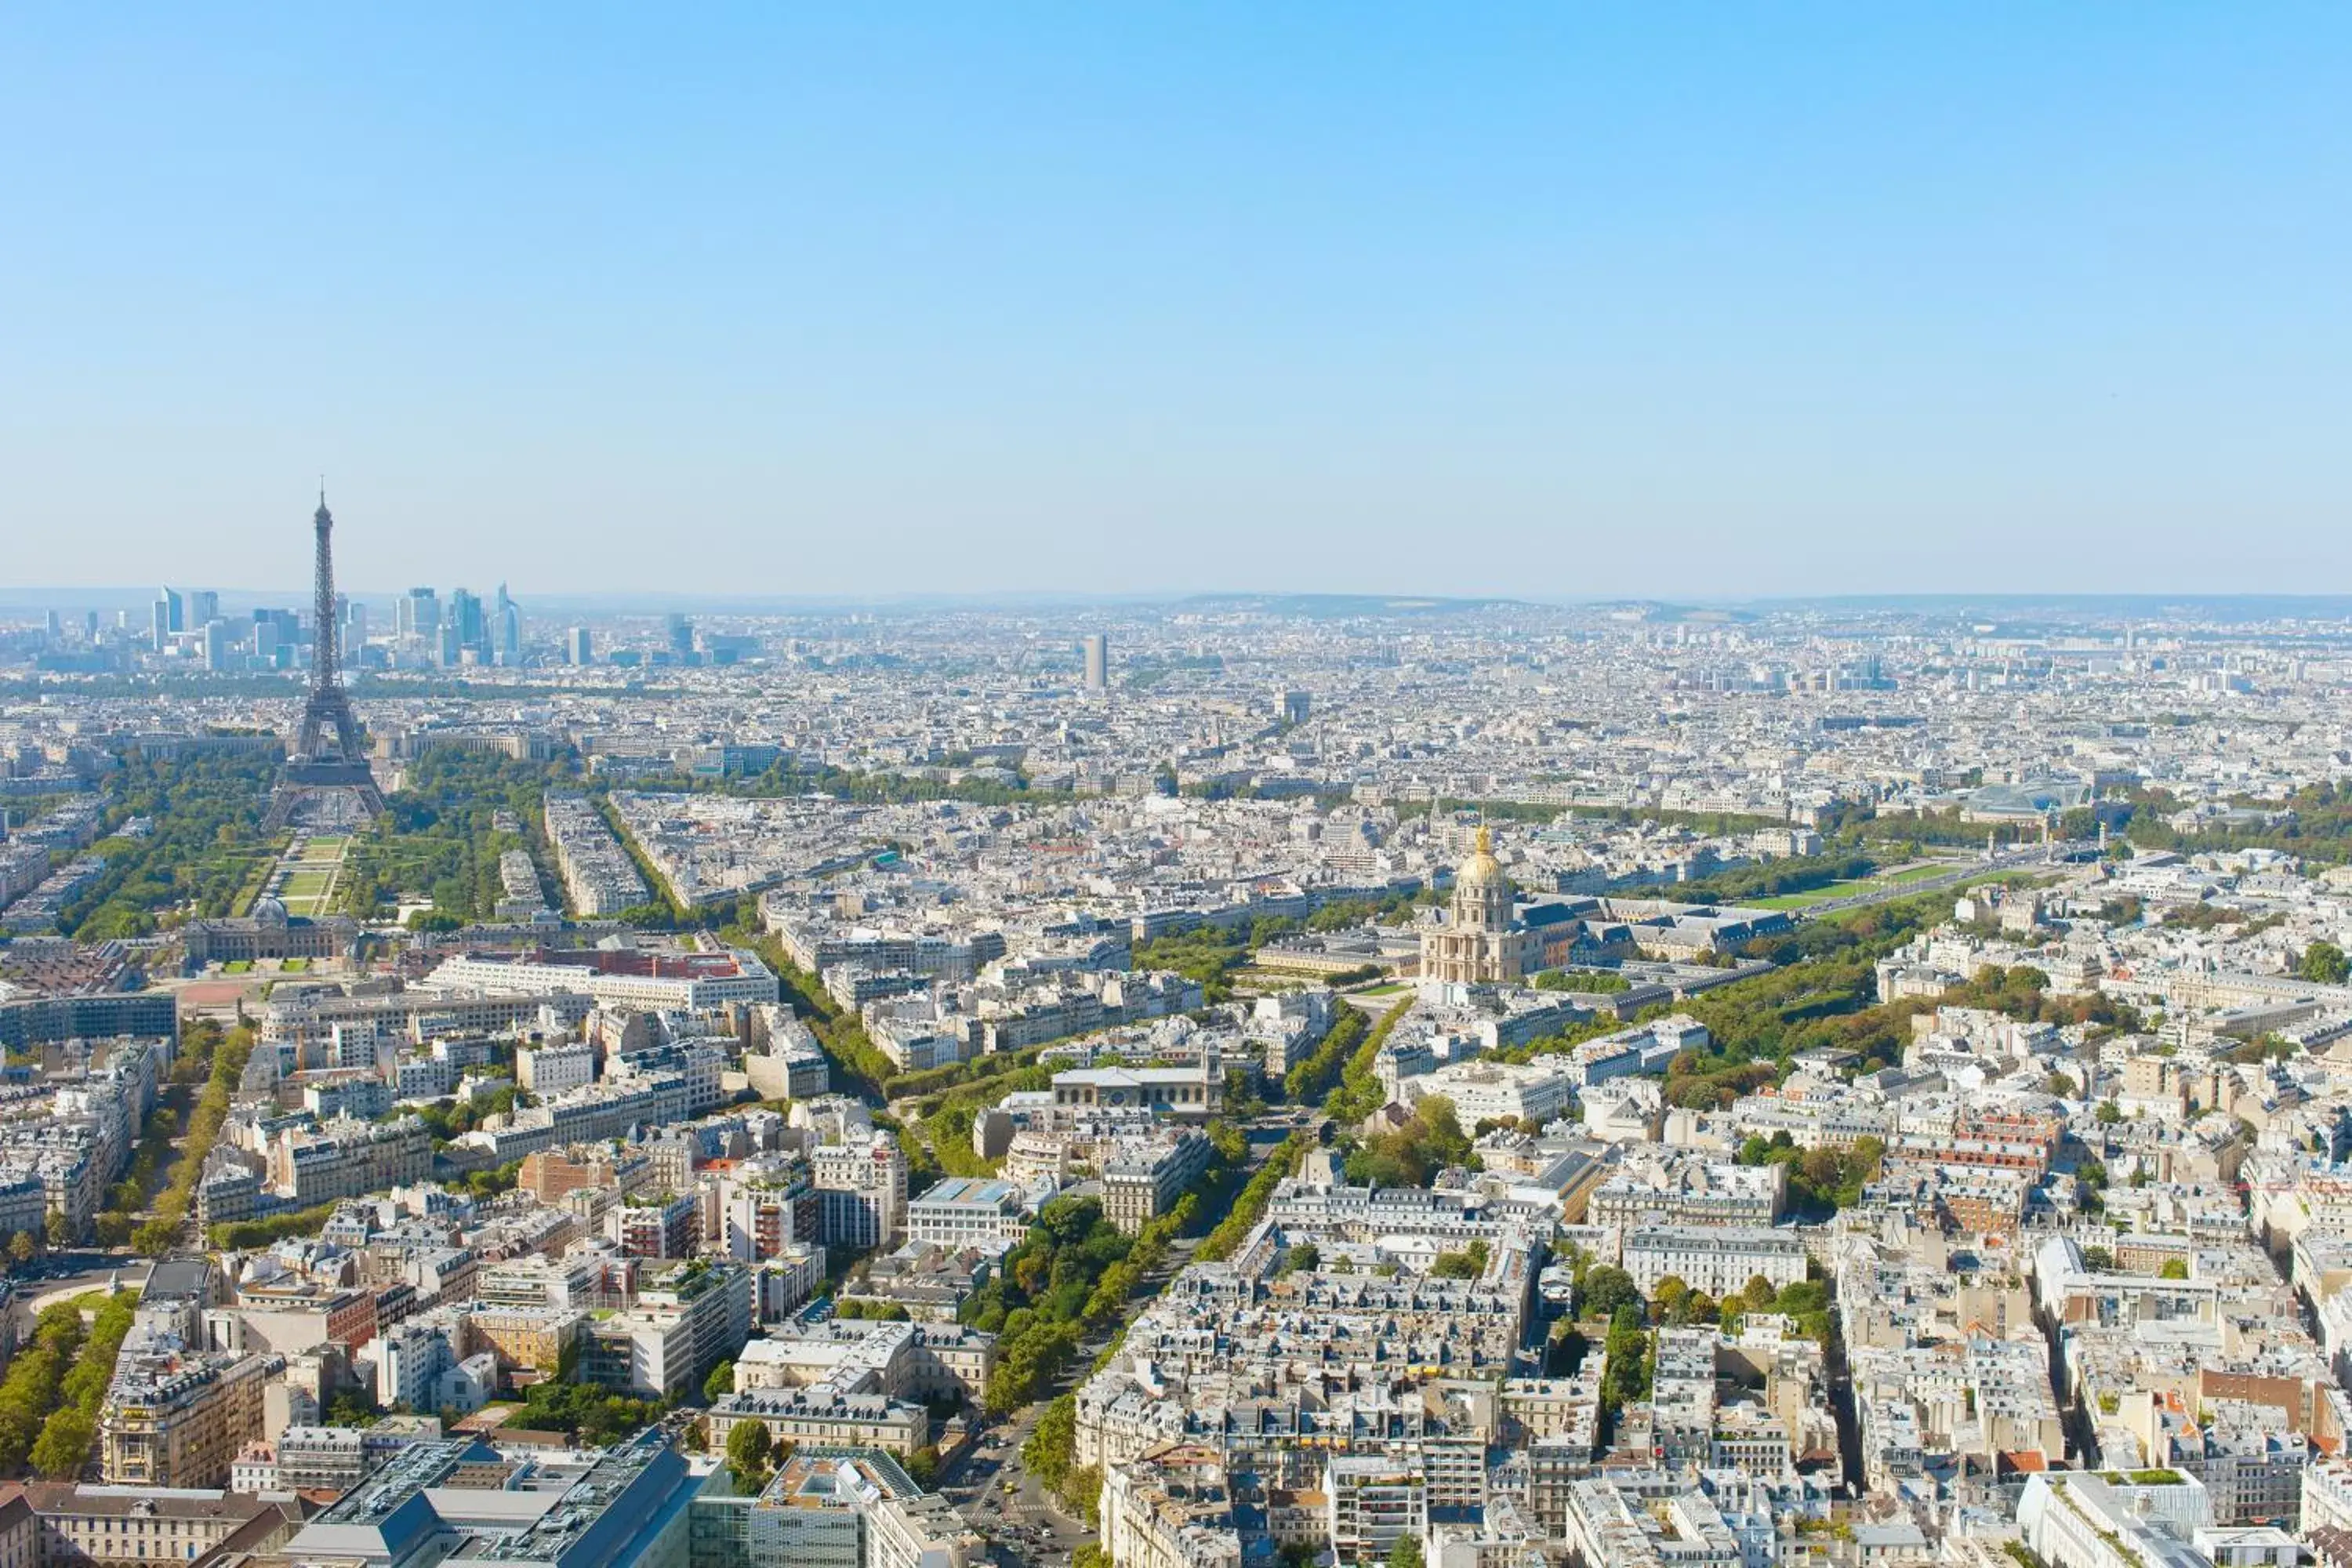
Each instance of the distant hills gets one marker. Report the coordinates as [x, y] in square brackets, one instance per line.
[2005, 610]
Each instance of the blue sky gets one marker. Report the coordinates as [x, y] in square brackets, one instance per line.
[1563, 300]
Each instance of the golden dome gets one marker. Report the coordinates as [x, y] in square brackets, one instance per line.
[1482, 870]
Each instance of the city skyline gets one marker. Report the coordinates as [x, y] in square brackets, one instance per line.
[724, 1029]
[653, 603]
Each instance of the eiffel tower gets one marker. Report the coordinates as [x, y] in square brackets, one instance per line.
[326, 782]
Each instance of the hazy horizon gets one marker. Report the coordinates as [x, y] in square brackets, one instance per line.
[627, 602]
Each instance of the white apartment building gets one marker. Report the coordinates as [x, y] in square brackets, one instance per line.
[1371, 1501]
[1494, 1091]
[861, 1184]
[653, 983]
[1718, 1259]
[555, 1069]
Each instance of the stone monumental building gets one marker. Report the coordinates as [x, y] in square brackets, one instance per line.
[1480, 942]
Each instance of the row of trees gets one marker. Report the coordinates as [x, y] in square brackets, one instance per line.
[1311, 1077]
[66, 1438]
[118, 1223]
[1360, 1092]
[1590, 981]
[789, 777]
[858, 1065]
[1603, 1289]
[1035, 1303]
[1050, 1450]
[856, 1062]
[989, 1070]
[1674, 1303]
[30, 1392]
[244, 1234]
[1708, 823]
[1075, 1272]
[1126, 1277]
[50, 1400]
[225, 1055]
[1249, 1205]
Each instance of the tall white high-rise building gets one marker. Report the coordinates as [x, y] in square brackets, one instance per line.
[861, 1186]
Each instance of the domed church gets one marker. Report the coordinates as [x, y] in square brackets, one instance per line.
[1480, 942]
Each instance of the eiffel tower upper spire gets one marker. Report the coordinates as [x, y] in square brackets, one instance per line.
[325, 640]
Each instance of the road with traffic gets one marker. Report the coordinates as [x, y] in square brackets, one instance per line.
[1024, 1521]
[62, 1276]
[1975, 870]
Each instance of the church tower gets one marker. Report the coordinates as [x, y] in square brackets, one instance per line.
[1481, 942]
[1482, 893]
